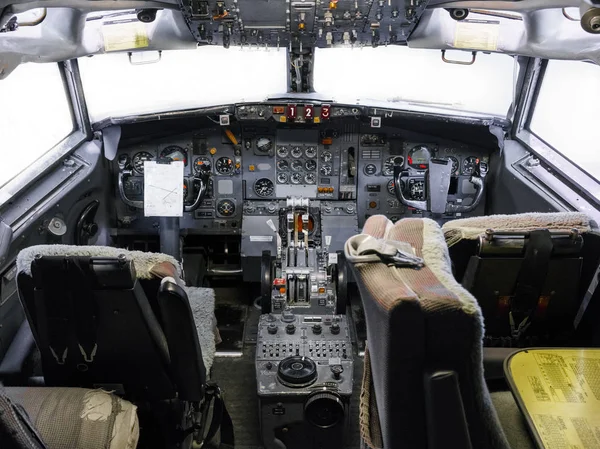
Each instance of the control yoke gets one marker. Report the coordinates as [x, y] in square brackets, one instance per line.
[437, 182]
[200, 181]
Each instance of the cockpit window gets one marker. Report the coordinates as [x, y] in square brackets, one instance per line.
[34, 117]
[414, 76]
[181, 79]
[566, 112]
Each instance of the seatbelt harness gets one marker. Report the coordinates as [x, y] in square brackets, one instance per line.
[530, 281]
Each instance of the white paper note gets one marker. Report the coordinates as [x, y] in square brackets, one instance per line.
[163, 189]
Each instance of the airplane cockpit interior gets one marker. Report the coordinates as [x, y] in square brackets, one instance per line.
[299, 224]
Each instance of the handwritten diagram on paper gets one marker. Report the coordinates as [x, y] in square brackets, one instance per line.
[163, 189]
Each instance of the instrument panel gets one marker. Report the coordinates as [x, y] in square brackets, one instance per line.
[338, 157]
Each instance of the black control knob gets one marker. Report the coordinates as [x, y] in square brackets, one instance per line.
[272, 328]
[337, 371]
[269, 365]
[290, 329]
[317, 329]
[335, 328]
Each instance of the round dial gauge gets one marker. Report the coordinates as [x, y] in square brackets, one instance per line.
[311, 152]
[326, 156]
[282, 178]
[174, 153]
[310, 165]
[264, 144]
[419, 157]
[224, 165]
[264, 187]
[202, 165]
[296, 152]
[390, 162]
[296, 178]
[296, 165]
[283, 165]
[391, 188]
[455, 165]
[282, 151]
[139, 159]
[226, 208]
[469, 165]
[326, 169]
[310, 178]
[370, 169]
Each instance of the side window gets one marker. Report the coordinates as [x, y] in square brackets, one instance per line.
[34, 117]
[565, 114]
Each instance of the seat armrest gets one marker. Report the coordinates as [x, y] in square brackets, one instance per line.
[445, 414]
[11, 367]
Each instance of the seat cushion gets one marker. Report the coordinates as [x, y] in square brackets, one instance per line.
[68, 418]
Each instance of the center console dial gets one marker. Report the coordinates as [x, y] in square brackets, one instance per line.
[283, 165]
[296, 178]
[326, 156]
[311, 152]
[310, 165]
[226, 208]
[282, 151]
[264, 187]
[296, 165]
[296, 152]
[224, 165]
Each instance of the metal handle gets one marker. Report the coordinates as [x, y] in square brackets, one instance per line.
[452, 61]
[126, 200]
[454, 208]
[421, 205]
[203, 180]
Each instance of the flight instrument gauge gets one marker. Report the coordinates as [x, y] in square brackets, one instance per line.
[296, 165]
[311, 152]
[224, 165]
[310, 178]
[370, 169]
[174, 153]
[264, 187]
[326, 170]
[282, 178]
[390, 162]
[296, 152]
[469, 165]
[419, 157]
[139, 159]
[391, 187]
[202, 165]
[264, 144]
[455, 165]
[296, 178]
[326, 156]
[282, 151]
[283, 165]
[226, 208]
[310, 165]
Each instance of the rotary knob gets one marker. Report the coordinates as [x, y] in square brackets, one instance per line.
[317, 329]
[335, 328]
[272, 328]
[337, 371]
[290, 329]
[350, 208]
[287, 316]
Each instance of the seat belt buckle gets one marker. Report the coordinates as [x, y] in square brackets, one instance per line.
[60, 360]
[89, 359]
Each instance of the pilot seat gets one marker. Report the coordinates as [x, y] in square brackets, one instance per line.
[423, 384]
[529, 273]
[120, 321]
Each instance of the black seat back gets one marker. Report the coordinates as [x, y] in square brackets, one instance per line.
[528, 279]
[96, 327]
